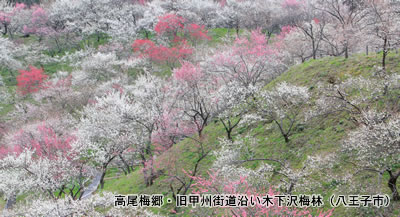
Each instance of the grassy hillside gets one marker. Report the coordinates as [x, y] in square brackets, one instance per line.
[320, 135]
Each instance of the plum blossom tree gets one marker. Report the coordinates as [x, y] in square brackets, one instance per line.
[196, 94]
[283, 106]
[250, 62]
[338, 98]
[59, 98]
[39, 158]
[158, 110]
[233, 14]
[105, 130]
[38, 23]
[8, 54]
[64, 19]
[31, 81]
[297, 44]
[14, 18]
[124, 20]
[99, 67]
[376, 147]
[169, 25]
[171, 29]
[262, 15]
[346, 19]
[307, 23]
[200, 12]
[162, 54]
[232, 103]
[151, 13]
[25, 20]
[4, 17]
[150, 104]
[383, 21]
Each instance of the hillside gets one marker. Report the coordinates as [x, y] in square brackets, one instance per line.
[322, 135]
[199, 108]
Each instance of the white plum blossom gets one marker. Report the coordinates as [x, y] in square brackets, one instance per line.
[377, 147]
[99, 66]
[8, 54]
[106, 130]
[283, 106]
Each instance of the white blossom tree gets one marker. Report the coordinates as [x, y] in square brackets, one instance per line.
[232, 103]
[355, 97]
[376, 147]
[105, 130]
[346, 19]
[151, 99]
[234, 13]
[283, 106]
[9, 52]
[100, 67]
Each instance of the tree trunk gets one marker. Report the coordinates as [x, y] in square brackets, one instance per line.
[392, 185]
[105, 165]
[229, 134]
[228, 128]
[199, 132]
[314, 52]
[284, 134]
[286, 138]
[125, 163]
[102, 178]
[5, 30]
[384, 53]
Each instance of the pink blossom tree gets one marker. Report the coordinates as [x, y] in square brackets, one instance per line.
[169, 25]
[249, 61]
[195, 94]
[38, 24]
[31, 81]
[44, 159]
[172, 29]
[161, 54]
